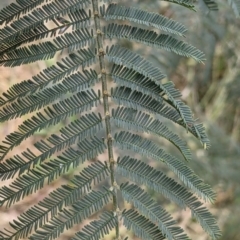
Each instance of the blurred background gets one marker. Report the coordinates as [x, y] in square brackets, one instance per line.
[211, 90]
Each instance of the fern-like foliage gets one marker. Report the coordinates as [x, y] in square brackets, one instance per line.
[68, 93]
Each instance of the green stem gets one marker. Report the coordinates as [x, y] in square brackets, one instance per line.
[105, 104]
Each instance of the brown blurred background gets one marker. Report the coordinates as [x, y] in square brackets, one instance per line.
[211, 90]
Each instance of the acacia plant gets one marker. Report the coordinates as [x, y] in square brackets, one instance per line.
[140, 100]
